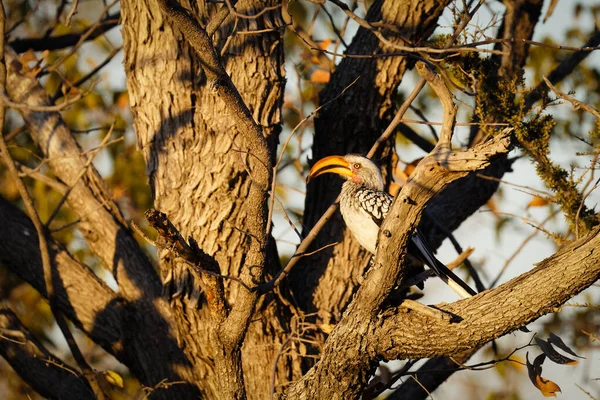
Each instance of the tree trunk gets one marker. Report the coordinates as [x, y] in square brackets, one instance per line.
[196, 166]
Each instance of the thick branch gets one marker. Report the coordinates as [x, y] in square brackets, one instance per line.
[497, 312]
[63, 41]
[86, 370]
[462, 198]
[199, 39]
[197, 258]
[102, 224]
[91, 305]
[230, 332]
[45, 373]
[155, 354]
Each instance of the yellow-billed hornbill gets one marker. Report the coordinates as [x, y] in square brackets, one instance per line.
[364, 205]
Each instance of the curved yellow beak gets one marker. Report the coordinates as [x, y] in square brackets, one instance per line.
[332, 164]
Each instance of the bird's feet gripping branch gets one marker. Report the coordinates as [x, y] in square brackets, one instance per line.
[364, 205]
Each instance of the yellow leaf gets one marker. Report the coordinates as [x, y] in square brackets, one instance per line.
[410, 168]
[302, 349]
[324, 44]
[113, 378]
[538, 201]
[319, 76]
[92, 101]
[29, 55]
[394, 189]
[327, 328]
[122, 100]
[546, 386]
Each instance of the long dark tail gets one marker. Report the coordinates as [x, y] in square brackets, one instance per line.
[421, 249]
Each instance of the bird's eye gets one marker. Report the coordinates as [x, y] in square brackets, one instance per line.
[356, 166]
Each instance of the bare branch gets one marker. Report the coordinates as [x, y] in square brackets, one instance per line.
[68, 40]
[103, 226]
[201, 262]
[231, 332]
[41, 232]
[576, 103]
[45, 373]
[72, 12]
[563, 69]
[522, 300]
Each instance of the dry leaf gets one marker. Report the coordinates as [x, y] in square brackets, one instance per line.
[394, 189]
[558, 342]
[554, 355]
[113, 378]
[324, 44]
[534, 370]
[538, 201]
[546, 386]
[326, 328]
[122, 100]
[320, 76]
[29, 55]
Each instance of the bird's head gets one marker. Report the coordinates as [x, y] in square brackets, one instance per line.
[352, 167]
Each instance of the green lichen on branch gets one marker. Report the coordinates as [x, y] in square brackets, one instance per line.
[533, 137]
[499, 101]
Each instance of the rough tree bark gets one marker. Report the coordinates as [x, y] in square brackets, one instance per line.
[196, 159]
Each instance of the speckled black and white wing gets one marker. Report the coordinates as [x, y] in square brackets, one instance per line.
[375, 203]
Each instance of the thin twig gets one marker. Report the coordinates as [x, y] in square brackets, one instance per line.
[576, 103]
[72, 12]
[35, 174]
[416, 121]
[12, 134]
[287, 141]
[90, 74]
[243, 16]
[83, 171]
[91, 30]
[57, 107]
[541, 193]
[520, 248]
